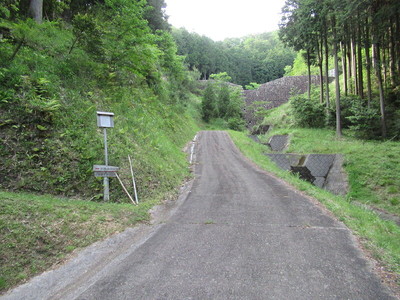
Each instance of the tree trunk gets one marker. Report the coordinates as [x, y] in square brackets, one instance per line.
[392, 57]
[384, 66]
[344, 65]
[368, 62]
[36, 10]
[377, 63]
[309, 74]
[349, 69]
[360, 66]
[326, 69]
[321, 73]
[354, 65]
[337, 85]
[397, 47]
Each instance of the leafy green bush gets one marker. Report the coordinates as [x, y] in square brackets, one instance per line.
[307, 113]
[346, 103]
[237, 124]
[365, 121]
[393, 114]
[208, 104]
[220, 100]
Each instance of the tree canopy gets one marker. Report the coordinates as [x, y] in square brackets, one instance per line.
[257, 58]
[363, 35]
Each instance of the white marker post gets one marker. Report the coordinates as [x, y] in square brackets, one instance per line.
[105, 120]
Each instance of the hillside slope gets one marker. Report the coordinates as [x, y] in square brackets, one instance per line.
[54, 76]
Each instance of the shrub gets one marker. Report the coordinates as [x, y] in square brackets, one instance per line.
[348, 104]
[222, 101]
[236, 123]
[208, 103]
[364, 120]
[307, 113]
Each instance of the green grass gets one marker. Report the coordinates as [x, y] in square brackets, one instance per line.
[373, 166]
[380, 237]
[37, 232]
[49, 139]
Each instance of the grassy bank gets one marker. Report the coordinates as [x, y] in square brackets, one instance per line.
[38, 232]
[368, 184]
[373, 166]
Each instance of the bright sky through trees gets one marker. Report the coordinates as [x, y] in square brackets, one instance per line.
[220, 19]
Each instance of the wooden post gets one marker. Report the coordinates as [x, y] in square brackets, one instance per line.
[133, 179]
[125, 190]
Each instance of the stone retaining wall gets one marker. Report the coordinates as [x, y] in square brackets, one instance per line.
[275, 93]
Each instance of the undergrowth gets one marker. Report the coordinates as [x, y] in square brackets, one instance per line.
[49, 140]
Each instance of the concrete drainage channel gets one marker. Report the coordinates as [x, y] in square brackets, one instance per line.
[322, 170]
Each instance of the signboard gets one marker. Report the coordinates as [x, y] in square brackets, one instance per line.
[105, 119]
[105, 174]
[105, 171]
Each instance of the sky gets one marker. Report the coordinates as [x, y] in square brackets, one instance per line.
[220, 19]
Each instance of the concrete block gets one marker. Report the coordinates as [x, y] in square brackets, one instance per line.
[278, 142]
[319, 164]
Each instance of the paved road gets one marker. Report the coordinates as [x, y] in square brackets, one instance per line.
[239, 234]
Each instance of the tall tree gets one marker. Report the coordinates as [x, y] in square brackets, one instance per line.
[36, 10]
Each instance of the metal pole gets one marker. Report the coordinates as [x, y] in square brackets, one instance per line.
[106, 181]
[105, 146]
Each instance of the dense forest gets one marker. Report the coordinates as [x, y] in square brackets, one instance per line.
[363, 37]
[256, 58]
[60, 62]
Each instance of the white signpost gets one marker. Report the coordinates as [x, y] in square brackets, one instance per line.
[105, 171]
[105, 120]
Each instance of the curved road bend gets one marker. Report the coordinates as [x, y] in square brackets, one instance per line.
[240, 234]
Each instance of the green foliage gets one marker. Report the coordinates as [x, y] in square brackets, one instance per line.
[223, 76]
[307, 113]
[361, 119]
[87, 34]
[237, 124]
[365, 31]
[257, 58]
[252, 86]
[155, 15]
[63, 72]
[222, 101]
[279, 117]
[209, 109]
[299, 67]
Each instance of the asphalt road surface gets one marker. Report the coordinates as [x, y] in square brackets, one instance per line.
[239, 233]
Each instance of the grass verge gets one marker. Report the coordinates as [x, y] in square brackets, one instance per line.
[381, 238]
[373, 166]
[37, 232]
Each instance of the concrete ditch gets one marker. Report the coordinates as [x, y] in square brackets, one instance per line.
[323, 170]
